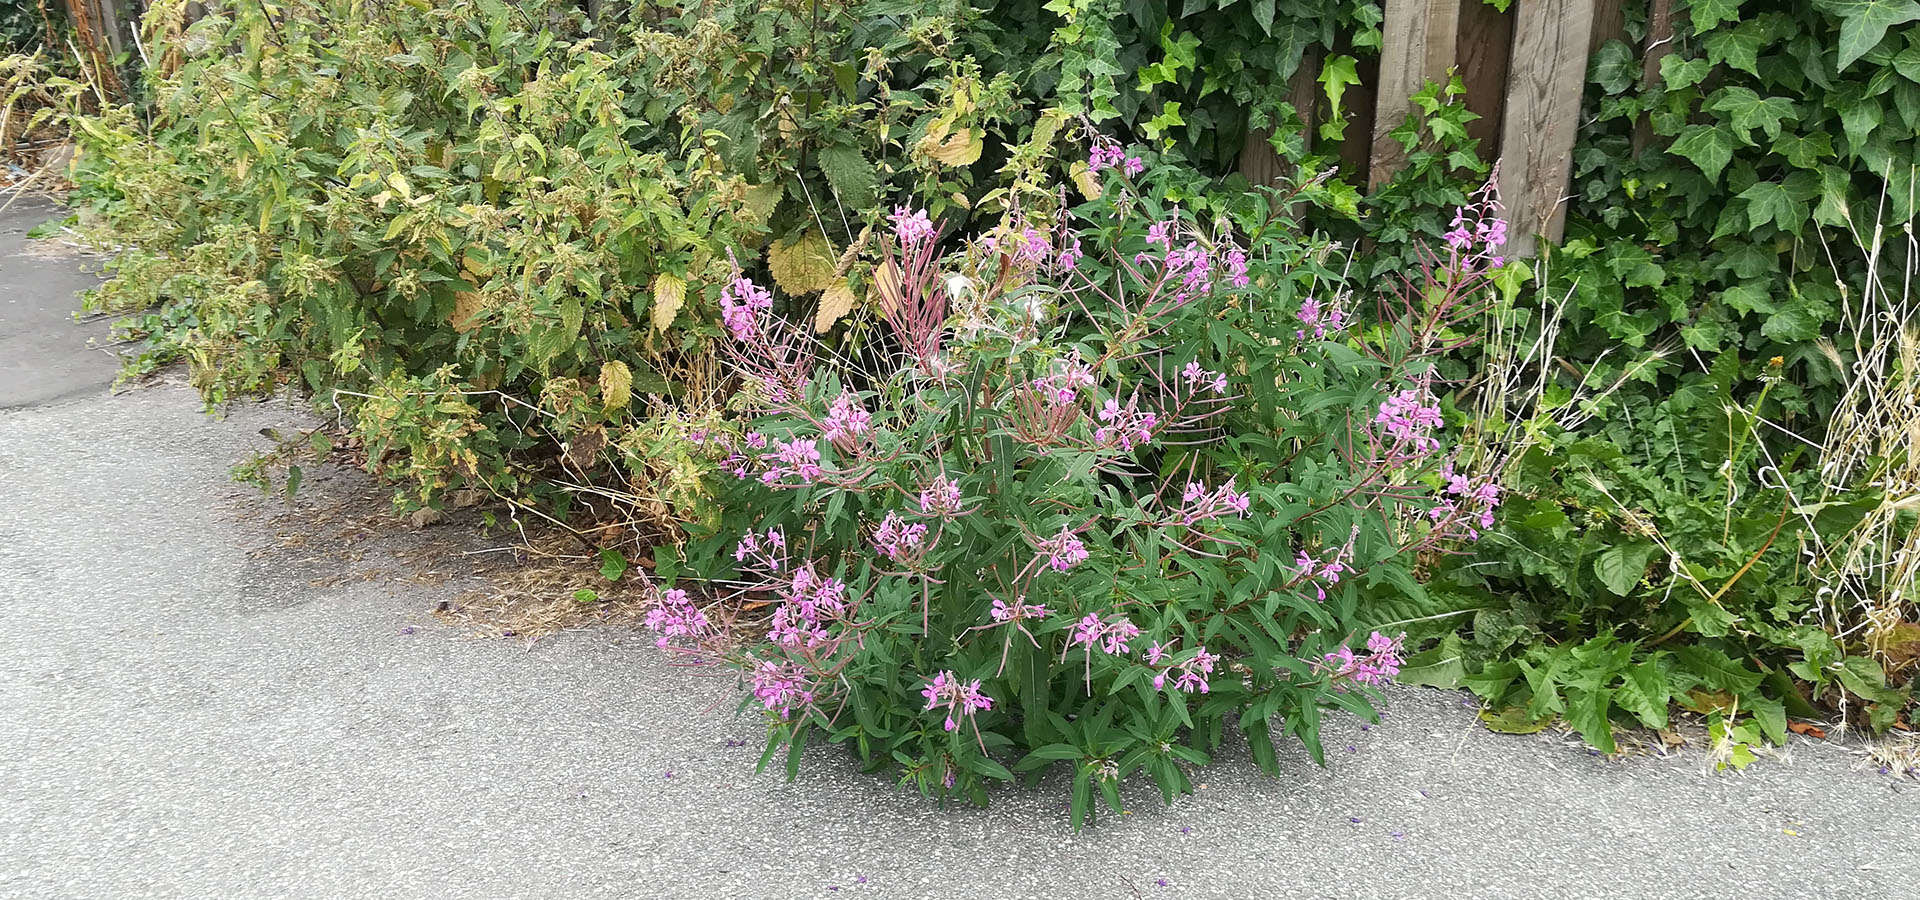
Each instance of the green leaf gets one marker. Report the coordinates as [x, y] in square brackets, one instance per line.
[1708, 13]
[1613, 67]
[1772, 716]
[851, 176]
[1738, 48]
[1587, 713]
[612, 564]
[1709, 147]
[1263, 15]
[1906, 62]
[1859, 119]
[1643, 692]
[1336, 75]
[1679, 72]
[1749, 110]
[1716, 670]
[1513, 720]
[1803, 150]
[1864, 22]
[1620, 567]
[1771, 202]
[1442, 667]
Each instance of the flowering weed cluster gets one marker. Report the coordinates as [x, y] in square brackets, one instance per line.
[1097, 490]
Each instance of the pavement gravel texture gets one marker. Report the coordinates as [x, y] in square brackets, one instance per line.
[196, 702]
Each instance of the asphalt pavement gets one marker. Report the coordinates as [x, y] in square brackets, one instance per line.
[205, 693]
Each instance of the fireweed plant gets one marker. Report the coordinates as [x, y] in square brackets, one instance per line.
[1090, 498]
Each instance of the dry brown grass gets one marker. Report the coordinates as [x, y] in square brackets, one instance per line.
[536, 596]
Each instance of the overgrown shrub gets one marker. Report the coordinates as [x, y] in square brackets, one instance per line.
[1731, 286]
[488, 234]
[1103, 488]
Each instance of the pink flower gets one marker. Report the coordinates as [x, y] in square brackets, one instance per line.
[780, 687]
[741, 302]
[1133, 166]
[847, 421]
[676, 616]
[1380, 664]
[940, 498]
[959, 699]
[1161, 233]
[1018, 610]
[911, 227]
[1070, 254]
[901, 541]
[1063, 551]
[802, 456]
[1410, 420]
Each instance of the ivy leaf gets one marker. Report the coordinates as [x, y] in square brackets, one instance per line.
[1708, 13]
[1835, 186]
[613, 564]
[1336, 74]
[1750, 110]
[850, 174]
[1677, 72]
[1263, 14]
[1749, 298]
[1613, 67]
[1771, 202]
[1907, 62]
[1710, 147]
[1803, 150]
[1864, 22]
[1859, 119]
[1738, 48]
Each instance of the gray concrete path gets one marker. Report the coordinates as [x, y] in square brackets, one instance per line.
[194, 704]
[44, 355]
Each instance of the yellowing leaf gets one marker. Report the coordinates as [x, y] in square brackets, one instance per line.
[757, 206]
[466, 305]
[669, 293]
[616, 384]
[802, 265]
[884, 288]
[1085, 180]
[834, 305]
[959, 149]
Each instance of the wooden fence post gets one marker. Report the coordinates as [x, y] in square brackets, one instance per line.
[1416, 46]
[1485, 48]
[1258, 162]
[1545, 80]
[1659, 44]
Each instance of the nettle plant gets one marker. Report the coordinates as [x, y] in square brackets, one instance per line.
[1099, 490]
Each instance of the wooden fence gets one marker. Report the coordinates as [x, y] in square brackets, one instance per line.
[1525, 70]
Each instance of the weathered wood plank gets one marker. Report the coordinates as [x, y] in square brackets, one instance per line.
[1258, 161]
[1416, 46]
[1609, 22]
[1485, 44]
[1659, 44]
[1545, 80]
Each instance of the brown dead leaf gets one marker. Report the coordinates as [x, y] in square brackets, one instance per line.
[466, 305]
[1807, 728]
[834, 305]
